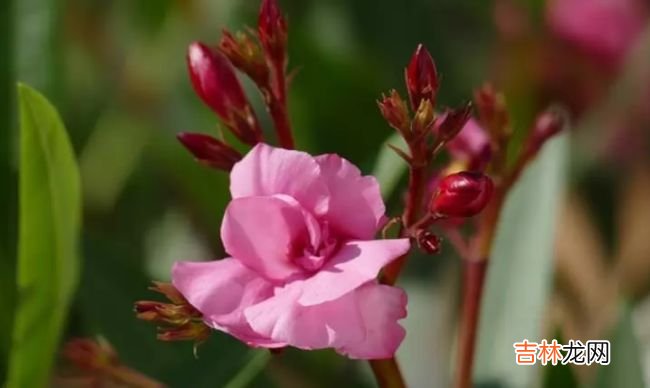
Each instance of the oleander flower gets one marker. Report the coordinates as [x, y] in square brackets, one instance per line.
[303, 259]
[603, 28]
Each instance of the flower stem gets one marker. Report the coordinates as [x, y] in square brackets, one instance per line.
[473, 279]
[411, 212]
[387, 373]
[277, 105]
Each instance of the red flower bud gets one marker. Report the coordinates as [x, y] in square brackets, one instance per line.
[394, 110]
[428, 242]
[215, 81]
[90, 355]
[421, 78]
[492, 110]
[272, 29]
[449, 124]
[210, 151]
[463, 194]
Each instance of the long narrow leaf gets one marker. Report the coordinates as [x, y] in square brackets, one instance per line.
[49, 218]
[519, 276]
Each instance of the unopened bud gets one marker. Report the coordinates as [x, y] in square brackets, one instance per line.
[421, 78]
[428, 242]
[245, 54]
[423, 120]
[90, 355]
[452, 121]
[546, 126]
[395, 111]
[462, 194]
[215, 81]
[210, 151]
[272, 29]
[492, 110]
[471, 147]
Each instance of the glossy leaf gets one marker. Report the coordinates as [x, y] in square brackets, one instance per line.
[520, 272]
[49, 221]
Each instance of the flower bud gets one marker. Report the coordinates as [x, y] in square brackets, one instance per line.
[210, 151]
[451, 122]
[546, 126]
[463, 194]
[272, 29]
[421, 78]
[428, 242]
[492, 110]
[395, 111]
[423, 120]
[90, 355]
[214, 80]
[245, 54]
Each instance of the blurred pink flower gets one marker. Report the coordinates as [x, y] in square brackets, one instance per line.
[303, 263]
[603, 28]
[471, 146]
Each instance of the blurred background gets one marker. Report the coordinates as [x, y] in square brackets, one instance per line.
[116, 72]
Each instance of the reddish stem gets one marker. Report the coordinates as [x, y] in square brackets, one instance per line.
[413, 204]
[387, 373]
[278, 108]
[473, 279]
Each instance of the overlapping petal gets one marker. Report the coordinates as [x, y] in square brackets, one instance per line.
[356, 263]
[264, 233]
[221, 290]
[361, 324]
[267, 170]
[355, 205]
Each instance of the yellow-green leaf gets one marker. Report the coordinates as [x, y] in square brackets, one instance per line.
[49, 222]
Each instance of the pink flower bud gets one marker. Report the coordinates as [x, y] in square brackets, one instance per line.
[546, 125]
[214, 80]
[463, 194]
[471, 146]
[421, 78]
[272, 29]
[210, 151]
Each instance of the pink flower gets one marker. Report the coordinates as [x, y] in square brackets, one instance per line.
[472, 146]
[303, 263]
[604, 28]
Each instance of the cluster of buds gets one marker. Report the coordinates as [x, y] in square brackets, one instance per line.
[263, 58]
[100, 365]
[178, 320]
[426, 132]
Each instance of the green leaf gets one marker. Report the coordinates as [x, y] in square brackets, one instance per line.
[625, 368]
[390, 167]
[49, 222]
[520, 271]
[249, 372]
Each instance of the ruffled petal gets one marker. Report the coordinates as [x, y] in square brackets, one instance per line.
[264, 233]
[356, 263]
[267, 170]
[361, 324]
[221, 290]
[355, 206]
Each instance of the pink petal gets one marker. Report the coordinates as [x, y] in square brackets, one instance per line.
[472, 144]
[264, 232]
[380, 307]
[355, 207]
[356, 263]
[267, 170]
[221, 290]
[361, 324]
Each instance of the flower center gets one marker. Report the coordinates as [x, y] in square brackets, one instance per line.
[315, 253]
